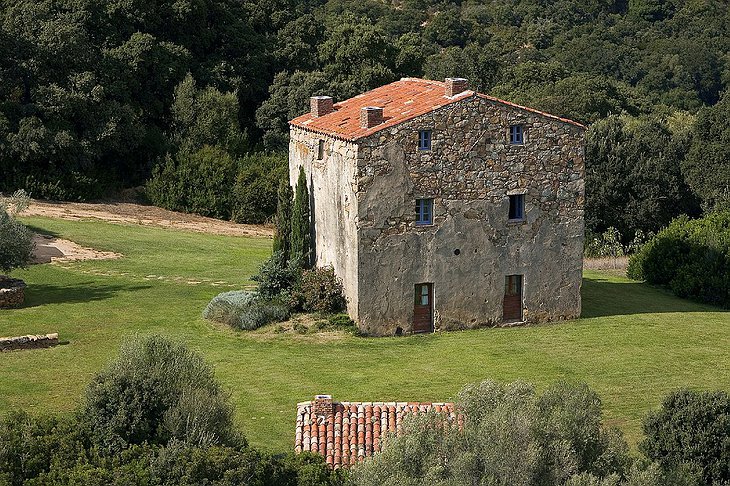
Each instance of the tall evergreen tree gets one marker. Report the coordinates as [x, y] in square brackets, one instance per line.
[300, 226]
[282, 233]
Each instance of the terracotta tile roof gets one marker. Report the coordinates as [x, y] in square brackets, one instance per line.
[401, 101]
[345, 433]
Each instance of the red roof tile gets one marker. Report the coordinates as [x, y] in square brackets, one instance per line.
[401, 101]
[345, 433]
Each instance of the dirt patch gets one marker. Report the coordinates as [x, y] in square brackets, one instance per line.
[131, 213]
[49, 249]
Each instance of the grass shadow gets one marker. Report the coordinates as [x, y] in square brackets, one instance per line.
[42, 294]
[604, 297]
[42, 231]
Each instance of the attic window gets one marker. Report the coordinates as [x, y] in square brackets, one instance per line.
[516, 135]
[424, 140]
[320, 150]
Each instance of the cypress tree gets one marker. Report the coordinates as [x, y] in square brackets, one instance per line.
[282, 233]
[300, 230]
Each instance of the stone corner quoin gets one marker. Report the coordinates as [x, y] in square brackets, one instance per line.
[474, 263]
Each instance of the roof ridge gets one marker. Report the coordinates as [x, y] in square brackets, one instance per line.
[423, 80]
[402, 100]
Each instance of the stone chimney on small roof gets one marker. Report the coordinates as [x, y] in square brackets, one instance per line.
[454, 86]
[322, 405]
[321, 105]
[370, 116]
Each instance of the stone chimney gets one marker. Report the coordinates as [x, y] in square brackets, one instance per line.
[321, 105]
[454, 86]
[370, 116]
[322, 405]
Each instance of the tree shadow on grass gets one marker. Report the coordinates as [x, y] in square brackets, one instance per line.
[603, 297]
[43, 231]
[41, 294]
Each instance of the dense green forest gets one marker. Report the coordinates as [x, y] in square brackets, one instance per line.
[96, 95]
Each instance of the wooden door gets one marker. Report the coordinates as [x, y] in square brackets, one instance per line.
[423, 308]
[512, 298]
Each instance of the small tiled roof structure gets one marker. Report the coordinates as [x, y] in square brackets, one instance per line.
[401, 101]
[345, 433]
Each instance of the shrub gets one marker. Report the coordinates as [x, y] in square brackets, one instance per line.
[16, 241]
[691, 257]
[210, 182]
[263, 312]
[195, 182]
[691, 428]
[606, 244]
[510, 435]
[28, 444]
[154, 391]
[225, 307]
[57, 450]
[319, 290]
[245, 310]
[254, 195]
[277, 276]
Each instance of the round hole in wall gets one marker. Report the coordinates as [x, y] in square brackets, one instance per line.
[457, 252]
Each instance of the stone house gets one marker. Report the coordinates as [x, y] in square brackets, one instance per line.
[443, 208]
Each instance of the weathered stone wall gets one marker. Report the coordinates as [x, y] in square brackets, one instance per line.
[333, 203]
[469, 172]
[12, 292]
[28, 342]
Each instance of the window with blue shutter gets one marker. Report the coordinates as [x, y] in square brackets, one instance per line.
[516, 135]
[424, 140]
[424, 212]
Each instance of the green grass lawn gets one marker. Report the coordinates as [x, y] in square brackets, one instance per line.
[634, 344]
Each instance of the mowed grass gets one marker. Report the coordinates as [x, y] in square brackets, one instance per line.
[634, 344]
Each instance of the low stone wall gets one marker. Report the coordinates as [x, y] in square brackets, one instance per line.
[28, 342]
[12, 292]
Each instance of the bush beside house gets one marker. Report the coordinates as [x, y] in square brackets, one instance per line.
[691, 257]
[285, 282]
[245, 310]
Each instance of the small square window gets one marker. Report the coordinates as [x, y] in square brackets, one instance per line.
[513, 285]
[516, 207]
[424, 140]
[424, 212]
[516, 135]
[320, 150]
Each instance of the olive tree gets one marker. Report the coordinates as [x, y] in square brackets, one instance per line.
[510, 436]
[157, 390]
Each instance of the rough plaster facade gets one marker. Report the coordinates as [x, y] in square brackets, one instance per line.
[363, 198]
[333, 203]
